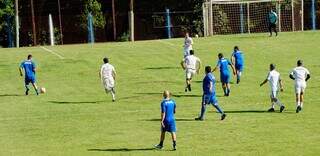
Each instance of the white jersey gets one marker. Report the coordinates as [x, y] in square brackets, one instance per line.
[300, 74]
[273, 78]
[191, 62]
[107, 71]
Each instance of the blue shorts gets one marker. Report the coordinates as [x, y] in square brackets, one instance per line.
[169, 127]
[209, 99]
[224, 78]
[30, 79]
[239, 67]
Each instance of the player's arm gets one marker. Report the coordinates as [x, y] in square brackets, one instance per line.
[163, 115]
[20, 70]
[216, 67]
[199, 66]
[291, 76]
[308, 77]
[114, 74]
[183, 65]
[281, 84]
[233, 60]
[264, 82]
[233, 68]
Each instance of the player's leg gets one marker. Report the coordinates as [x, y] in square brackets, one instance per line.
[270, 29]
[275, 29]
[162, 137]
[35, 88]
[203, 108]
[301, 100]
[276, 100]
[113, 94]
[228, 88]
[215, 104]
[174, 140]
[271, 109]
[298, 92]
[26, 84]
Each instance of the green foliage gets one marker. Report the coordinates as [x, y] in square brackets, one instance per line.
[6, 9]
[93, 7]
[221, 21]
[124, 37]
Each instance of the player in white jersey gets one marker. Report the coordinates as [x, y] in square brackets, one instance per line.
[300, 75]
[191, 64]
[275, 82]
[108, 76]
[188, 42]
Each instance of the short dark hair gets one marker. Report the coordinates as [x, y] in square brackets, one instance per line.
[105, 60]
[272, 66]
[236, 48]
[208, 69]
[299, 62]
[220, 55]
[29, 56]
[191, 52]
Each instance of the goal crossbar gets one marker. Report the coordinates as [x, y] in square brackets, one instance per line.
[238, 2]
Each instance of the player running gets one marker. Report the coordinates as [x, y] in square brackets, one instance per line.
[209, 94]
[300, 75]
[224, 73]
[272, 20]
[29, 68]
[238, 62]
[275, 81]
[108, 77]
[191, 64]
[188, 42]
[168, 123]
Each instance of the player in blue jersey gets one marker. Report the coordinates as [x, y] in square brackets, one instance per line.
[168, 123]
[238, 62]
[223, 64]
[209, 94]
[29, 68]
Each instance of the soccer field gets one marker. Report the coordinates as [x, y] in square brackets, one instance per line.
[76, 117]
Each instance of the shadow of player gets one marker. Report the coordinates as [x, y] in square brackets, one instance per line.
[122, 149]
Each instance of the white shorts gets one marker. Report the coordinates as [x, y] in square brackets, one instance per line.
[186, 52]
[190, 73]
[108, 83]
[300, 87]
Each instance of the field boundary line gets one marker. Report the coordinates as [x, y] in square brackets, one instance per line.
[52, 52]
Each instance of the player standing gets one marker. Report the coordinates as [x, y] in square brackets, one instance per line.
[29, 68]
[108, 77]
[300, 75]
[168, 123]
[188, 42]
[224, 73]
[238, 62]
[275, 81]
[191, 64]
[209, 94]
[272, 20]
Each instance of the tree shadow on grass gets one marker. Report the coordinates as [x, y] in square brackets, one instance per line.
[179, 119]
[76, 102]
[122, 149]
[159, 68]
[8, 95]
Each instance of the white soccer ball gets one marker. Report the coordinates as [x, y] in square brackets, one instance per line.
[197, 36]
[42, 90]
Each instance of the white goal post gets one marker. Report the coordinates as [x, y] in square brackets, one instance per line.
[236, 16]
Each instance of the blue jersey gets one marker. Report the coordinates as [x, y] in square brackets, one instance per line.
[29, 68]
[208, 80]
[168, 107]
[223, 65]
[238, 57]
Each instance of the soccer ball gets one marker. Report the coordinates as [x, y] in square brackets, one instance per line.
[42, 90]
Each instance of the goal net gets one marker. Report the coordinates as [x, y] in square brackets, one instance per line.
[234, 16]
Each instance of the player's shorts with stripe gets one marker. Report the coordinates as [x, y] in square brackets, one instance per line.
[190, 73]
[300, 87]
[224, 78]
[169, 126]
[274, 93]
[209, 99]
[108, 83]
[239, 67]
[29, 79]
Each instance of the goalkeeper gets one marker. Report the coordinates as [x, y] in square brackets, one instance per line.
[272, 20]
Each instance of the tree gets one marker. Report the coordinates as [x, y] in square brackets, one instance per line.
[93, 7]
[6, 10]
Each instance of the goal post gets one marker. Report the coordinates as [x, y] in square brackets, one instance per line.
[236, 16]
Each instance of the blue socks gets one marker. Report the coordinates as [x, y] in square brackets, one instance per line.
[218, 108]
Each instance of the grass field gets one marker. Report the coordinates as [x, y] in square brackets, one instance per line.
[76, 117]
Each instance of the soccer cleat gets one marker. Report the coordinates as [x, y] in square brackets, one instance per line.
[271, 110]
[158, 146]
[174, 148]
[238, 81]
[27, 92]
[198, 119]
[113, 100]
[281, 109]
[298, 109]
[185, 90]
[189, 87]
[223, 116]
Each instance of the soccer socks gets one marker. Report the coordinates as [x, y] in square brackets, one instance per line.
[161, 143]
[218, 108]
[113, 93]
[27, 89]
[174, 144]
[238, 77]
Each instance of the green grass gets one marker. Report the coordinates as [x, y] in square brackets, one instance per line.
[76, 117]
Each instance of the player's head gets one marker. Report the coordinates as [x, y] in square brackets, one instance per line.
[105, 60]
[236, 48]
[187, 34]
[29, 57]
[272, 66]
[166, 94]
[299, 63]
[191, 52]
[220, 55]
[207, 69]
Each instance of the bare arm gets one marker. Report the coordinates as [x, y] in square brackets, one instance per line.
[163, 115]
[291, 77]
[114, 74]
[199, 66]
[281, 85]
[264, 82]
[20, 70]
[183, 65]
[308, 77]
[233, 69]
